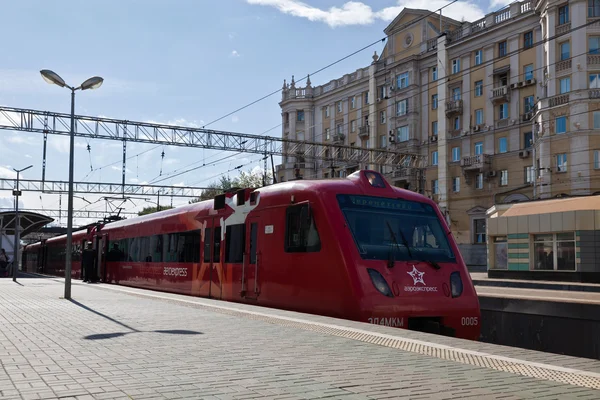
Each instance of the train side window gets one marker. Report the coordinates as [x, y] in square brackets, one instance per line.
[207, 244]
[156, 248]
[235, 241]
[189, 246]
[301, 235]
[253, 238]
[217, 245]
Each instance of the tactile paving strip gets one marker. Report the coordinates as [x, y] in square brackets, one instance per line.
[499, 363]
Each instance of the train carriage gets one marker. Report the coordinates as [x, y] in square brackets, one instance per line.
[354, 248]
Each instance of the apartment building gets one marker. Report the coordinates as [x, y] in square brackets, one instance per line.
[502, 109]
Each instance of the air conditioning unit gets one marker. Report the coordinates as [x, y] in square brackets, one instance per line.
[513, 85]
[521, 84]
[433, 138]
[530, 81]
[524, 154]
[476, 128]
[491, 174]
[379, 99]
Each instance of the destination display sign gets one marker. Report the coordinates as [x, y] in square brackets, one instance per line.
[358, 201]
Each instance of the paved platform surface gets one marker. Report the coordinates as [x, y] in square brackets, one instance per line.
[481, 279]
[113, 342]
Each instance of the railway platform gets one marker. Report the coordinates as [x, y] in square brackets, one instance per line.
[114, 342]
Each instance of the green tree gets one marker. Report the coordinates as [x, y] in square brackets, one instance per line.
[150, 210]
[247, 179]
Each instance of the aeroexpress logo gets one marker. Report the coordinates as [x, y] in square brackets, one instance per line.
[417, 277]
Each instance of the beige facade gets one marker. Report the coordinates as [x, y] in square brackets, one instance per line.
[467, 97]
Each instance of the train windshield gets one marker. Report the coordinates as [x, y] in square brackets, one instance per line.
[412, 230]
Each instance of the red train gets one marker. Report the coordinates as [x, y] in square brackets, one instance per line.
[354, 248]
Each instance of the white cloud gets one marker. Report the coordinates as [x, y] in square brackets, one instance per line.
[7, 173]
[179, 122]
[234, 54]
[495, 4]
[28, 156]
[114, 167]
[231, 35]
[358, 13]
[235, 119]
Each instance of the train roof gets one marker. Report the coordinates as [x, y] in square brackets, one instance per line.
[363, 181]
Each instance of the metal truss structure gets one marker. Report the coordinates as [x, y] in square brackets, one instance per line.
[100, 188]
[81, 214]
[130, 131]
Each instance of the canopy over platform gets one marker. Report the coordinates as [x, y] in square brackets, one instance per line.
[29, 222]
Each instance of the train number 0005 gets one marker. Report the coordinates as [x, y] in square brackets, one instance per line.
[469, 321]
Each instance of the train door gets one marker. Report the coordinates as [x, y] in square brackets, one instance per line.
[250, 287]
[211, 269]
[101, 251]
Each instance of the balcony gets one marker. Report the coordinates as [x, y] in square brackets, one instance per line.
[500, 94]
[404, 173]
[564, 65]
[294, 165]
[593, 59]
[338, 137]
[454, 107]
[559, 100]
[476, 163]
[363, 132]
[564, 28]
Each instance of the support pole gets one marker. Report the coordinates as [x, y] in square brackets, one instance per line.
[124, 161]
[69, 250]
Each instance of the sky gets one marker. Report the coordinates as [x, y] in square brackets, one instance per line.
[182, 62]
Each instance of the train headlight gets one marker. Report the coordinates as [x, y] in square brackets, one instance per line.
[380, 283]
[456, 284]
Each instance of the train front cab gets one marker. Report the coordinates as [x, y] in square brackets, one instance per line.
[410, 273]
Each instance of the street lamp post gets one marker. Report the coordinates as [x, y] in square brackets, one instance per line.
[17, 193]
[92, 83]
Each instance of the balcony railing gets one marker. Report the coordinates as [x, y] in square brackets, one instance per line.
[477, 162]
[564, 28]
[593, 59]
[454, 107]
[363, 131]
[500, 94]
[558, 100]
[338, 137]
[563, 65]
[404, 173]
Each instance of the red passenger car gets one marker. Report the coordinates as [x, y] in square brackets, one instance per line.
[354, 248]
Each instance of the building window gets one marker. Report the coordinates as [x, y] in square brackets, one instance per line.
[353, 102]
[339, 107]
[366, 97]
[456, 93]
[434, 158]
[479, 230]
[596, 115]
[529, 174]
[339, 129]
[594, 81]
[327, 133]
[434, 74]
[561, 125]
[528, 39]
[528, 103]
[434, 186]
[478, 148]
[456, 154]
[479, 116]
[383, 141]
[434, 128]
[300, 135]
[434, 102]
[528, 69]
[561, 162]
[503, 111]
[500, 252]
[478, 88]
[594, 44]
[402, 80]
[353, 125]
[402, 133]
[596, 159]
[593, 8]
[563, 15]
[565, 51]
[326, 111]
[504, 177]
[300, 115]
[456, 66]
[502, 145]
[502, 49]
[554, 251]
[565, 85]
[457, 123]
[402, 107]
[382, 116]
[382, 92]
[478, 57]
[527, 140]
[479, 181]
[456, 184]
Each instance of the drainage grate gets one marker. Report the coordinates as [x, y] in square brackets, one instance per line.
[499, 363]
